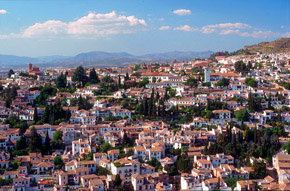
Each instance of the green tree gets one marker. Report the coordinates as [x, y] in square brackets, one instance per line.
[58, 162]
[270, 102]
[21, 144]
[47, 145]
[35, 115]
[84, 103]
[171, 92]
[107, 79]
[242, 115]
[10, 73]
[137, 67]
[224, 82]
[287, 147]
[105, 147]
[143, 82]
[57, 142]
[192, 82]
[46, 91]
[172, 170]
[80, 76]
[155, 163]
[93, 77]
[118, 181]
[8, 103]
[127, 141]
[241, 67]
[251, 82]
[127, 77]
[10, 92]
[232, 182]
[254, 104]
[54, 114]
[35, 142]
[286, 85]
[61, 81]
[15, 122]
[15, 164]
[102, 171]
[183, 163]
[259, 168]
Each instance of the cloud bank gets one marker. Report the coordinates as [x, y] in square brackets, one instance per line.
[95, 25]
[3, 11]
[182, 12]
[165, 27]
[90, 26]
[240, 29]
[185, 28]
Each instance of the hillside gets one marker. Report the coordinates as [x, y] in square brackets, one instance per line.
[277, 46]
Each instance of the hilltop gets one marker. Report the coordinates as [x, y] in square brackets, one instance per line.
[277, 46]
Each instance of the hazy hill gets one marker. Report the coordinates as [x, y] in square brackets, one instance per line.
[98, 58]
[179, 55]
[8, 60]
[277, 46]
[98, 55]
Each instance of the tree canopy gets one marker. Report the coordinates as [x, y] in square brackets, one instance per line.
[223, 82]
[242, 115]
[80, 76]
[251, 82]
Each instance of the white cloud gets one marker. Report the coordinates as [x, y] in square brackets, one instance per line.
[213, 28]
[229, 31]
[186, 28]
[51, 27]
[165, 27]
[90, 26]
[3, 11]
[182, 12]
[255, 34]
[240, 29]
[264, 34]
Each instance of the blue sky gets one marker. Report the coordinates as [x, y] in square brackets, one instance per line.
[68, 27]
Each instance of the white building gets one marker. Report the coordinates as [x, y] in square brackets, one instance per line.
[125, 167]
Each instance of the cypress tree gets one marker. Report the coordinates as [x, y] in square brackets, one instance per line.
[119, 81]
[93, 77]
[127, 77]
[269, 102]
[35, 115]
[166, 97]
[141, 109]
[61, 81]
[45, 117]
[47, 145]
[251, 103]
[151, 104]
[118, 181]
[80, 76]
[21, 143]
[145, 107]
[35, 142]
[157, 97]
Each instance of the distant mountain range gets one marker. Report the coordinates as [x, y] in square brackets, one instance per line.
[98, 58]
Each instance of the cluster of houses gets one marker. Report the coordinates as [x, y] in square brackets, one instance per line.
[86, 131]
